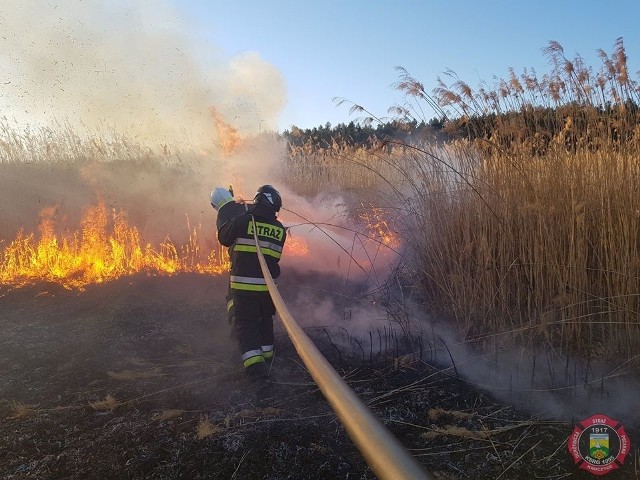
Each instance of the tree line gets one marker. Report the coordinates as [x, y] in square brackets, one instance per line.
[573, 125]
[354, 134]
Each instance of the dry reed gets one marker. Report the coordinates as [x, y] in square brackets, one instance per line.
[530, 224]
[206, 428]
[109, 403]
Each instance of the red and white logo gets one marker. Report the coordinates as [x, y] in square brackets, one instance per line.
[599, 444]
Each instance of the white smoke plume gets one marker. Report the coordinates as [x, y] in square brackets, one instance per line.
[133, 78]
[136, 68]
[130, 65]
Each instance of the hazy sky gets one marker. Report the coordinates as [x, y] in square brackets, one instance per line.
[166, 68]
[350, 48]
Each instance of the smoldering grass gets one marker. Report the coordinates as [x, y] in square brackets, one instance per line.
[140, 362]
[404, 362]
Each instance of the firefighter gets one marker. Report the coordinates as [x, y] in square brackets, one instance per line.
[250, 300]
[222, 201]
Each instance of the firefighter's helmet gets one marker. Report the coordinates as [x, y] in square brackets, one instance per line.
[219, 197]
[269, 196]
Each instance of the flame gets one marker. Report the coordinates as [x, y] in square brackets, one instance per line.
[105, 248]
[228, 135]
[378, 227]
[296, 247]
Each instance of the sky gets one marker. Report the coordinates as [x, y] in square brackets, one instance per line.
[349, 49]
[155, 66]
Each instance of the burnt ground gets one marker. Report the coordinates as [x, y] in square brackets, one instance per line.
[140, 379]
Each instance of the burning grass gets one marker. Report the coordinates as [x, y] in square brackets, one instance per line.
[106, 247]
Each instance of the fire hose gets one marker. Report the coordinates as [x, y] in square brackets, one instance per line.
[386, 456]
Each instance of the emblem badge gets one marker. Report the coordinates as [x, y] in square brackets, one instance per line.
[599, 444]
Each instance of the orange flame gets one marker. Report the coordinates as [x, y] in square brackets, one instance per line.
[296, 247]
[105, 248]
[227, 134]
[378, 227]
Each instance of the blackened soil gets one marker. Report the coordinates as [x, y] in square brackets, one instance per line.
[140, 379]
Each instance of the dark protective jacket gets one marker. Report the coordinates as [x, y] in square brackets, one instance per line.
[228, 211]
[237, 234]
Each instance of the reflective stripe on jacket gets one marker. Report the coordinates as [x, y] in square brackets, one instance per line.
[267, 248]
[246, 274]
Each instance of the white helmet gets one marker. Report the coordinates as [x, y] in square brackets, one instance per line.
[219, 197]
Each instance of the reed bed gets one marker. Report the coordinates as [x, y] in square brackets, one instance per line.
[546, 249]
[526, 227]
[62, 143]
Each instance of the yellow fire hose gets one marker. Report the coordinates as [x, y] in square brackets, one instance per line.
[388, 459]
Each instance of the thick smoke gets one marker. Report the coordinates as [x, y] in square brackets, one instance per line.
[175, 118]
[131, 66]
[86, 86]
[97, 70]
[540, 380]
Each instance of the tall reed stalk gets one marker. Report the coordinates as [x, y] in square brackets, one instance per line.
[527, 227]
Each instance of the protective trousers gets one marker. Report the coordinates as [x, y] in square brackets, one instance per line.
[253, 321]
